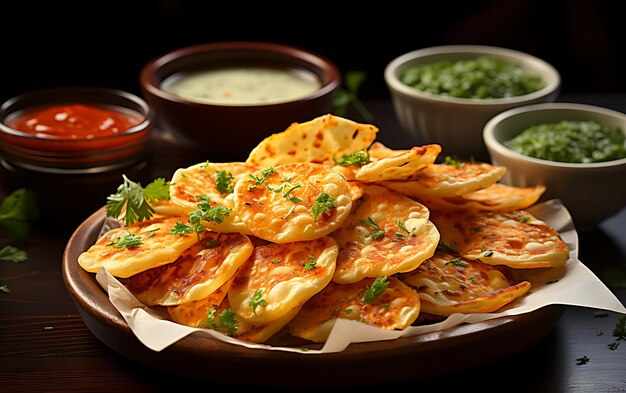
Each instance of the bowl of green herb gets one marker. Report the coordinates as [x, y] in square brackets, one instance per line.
[577, 151]
[446, 94]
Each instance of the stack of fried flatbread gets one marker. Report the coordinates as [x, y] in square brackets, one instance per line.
[323, 222]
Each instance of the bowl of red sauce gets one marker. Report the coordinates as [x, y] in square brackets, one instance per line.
[72, 145]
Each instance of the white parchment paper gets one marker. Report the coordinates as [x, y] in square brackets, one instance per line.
[574, 284]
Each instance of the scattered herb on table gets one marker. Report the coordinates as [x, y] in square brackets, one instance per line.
[12, 254]
[582, 360]
[5, 289]
[17, 211]
[620, 328]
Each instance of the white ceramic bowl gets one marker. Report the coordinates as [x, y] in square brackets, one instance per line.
[457, 123]
[591, 192]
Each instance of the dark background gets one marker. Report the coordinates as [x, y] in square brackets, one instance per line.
[106, 43]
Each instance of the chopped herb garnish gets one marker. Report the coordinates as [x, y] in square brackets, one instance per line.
[256, 301]
[285, 189]
[600, 314]
[12, 254]
[212, 243]
[181, 229]
[224, 182]
[134, 200]
[402, 226]
[348, 311]
[376, 289]
[258, 180]
[309, 264]
[378, 233]
[524, 219]
[358, 158]
[323, 203]
[442, 246]
[276, 261]
[599, 333]
[151, 233]
[613, 346]
[224, 320]
[48, 327]
[457, 262]
[205, 165]
[5, 288]
[451, 161]
[126, 240]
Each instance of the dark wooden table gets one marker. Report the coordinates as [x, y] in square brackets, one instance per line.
[45, 346]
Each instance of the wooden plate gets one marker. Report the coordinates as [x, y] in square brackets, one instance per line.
[195, 356]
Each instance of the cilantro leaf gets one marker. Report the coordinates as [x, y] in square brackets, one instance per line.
[131, 202]
[17, 210]
[5, 288]
[309, 264]
[227, 319]
[12, 254]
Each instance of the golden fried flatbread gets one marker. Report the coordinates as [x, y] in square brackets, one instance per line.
[401, 165]
[280, 277]
[386, 233]
[395, 307]
[516, 239]
[443, 180]
[214, 312]
[293, 202]
[449, 284]
[215, 181]
[320, 140]
[497, 197]
[196, 273]
[144, 245]
[195, 313]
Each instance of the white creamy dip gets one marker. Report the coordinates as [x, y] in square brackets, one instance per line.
[241, 86]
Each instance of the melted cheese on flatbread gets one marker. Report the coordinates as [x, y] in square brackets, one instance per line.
[516, 239]
[279, 207]
[195, 274]
[497, 197]
[280, 277]
[386, 233]
[443, 180]
[397, 307]
[448, 284]
[320, 140]
[200, 179]
[158, 247]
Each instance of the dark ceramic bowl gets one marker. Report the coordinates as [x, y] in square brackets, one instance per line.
[73, 176]
[225, 131]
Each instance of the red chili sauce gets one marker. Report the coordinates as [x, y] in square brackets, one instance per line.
[74, 121]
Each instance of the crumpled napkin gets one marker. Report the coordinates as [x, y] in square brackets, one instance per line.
[574, 284]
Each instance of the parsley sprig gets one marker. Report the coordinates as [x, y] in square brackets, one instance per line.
[379, 286]
[227, 319]
[323, 203]
[224, 182]
[358, 158]
[131, 202]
